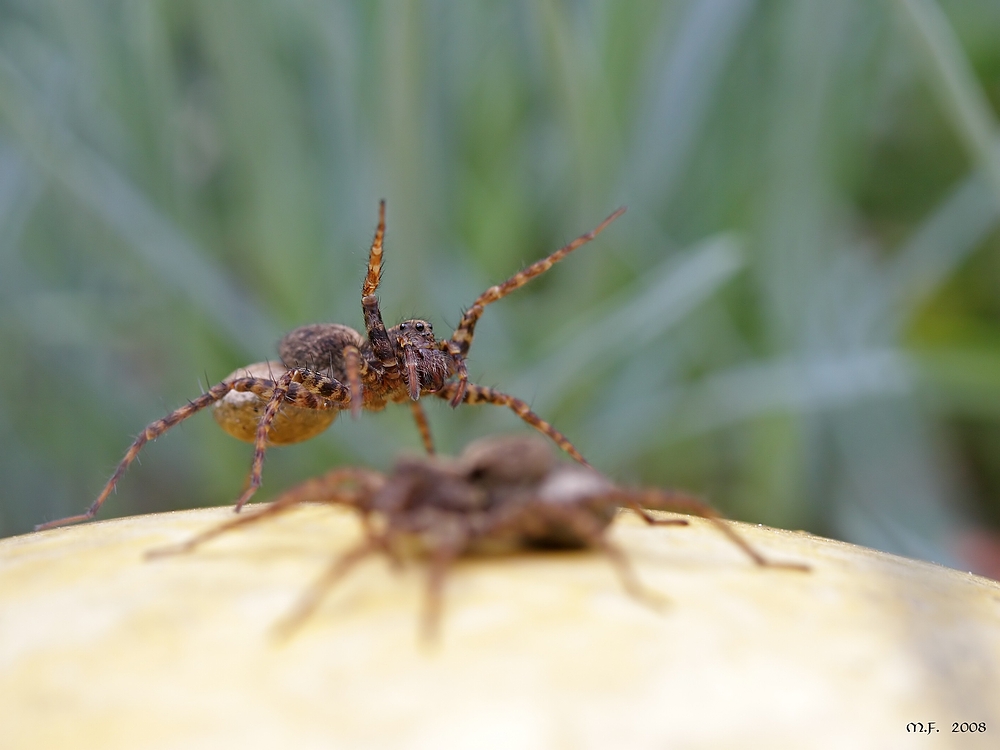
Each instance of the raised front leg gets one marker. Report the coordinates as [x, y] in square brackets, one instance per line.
[378, 337]
[463, 334]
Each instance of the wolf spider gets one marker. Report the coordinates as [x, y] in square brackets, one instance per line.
[500, 495]
[328, 367]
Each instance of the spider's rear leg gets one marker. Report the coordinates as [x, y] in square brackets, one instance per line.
[441, 560]
[299, 387]
[340, 567]
[262, 387]
[348, 486]
[274, 509]
[479, 394]
[642, 501]
[463, 334]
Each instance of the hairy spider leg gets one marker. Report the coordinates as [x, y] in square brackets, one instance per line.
[345, 486]
[460, 369]
[311, 599]
[420, 417]
[262, 387]
[348, 485]
[441, 559]
[642, 501]
[374, 276]
[318, 388]
[480, 394]
[462, 336]
[378, 337]
[353, 365]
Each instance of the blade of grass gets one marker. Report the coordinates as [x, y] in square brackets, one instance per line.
[953, 80]
[155, 239]
[684, 71]
[939, 245]
[635, 317]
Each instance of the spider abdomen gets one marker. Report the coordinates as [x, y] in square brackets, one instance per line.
[239, 412]
[320, 348]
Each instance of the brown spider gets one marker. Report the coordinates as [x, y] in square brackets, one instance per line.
[500, 495]
[328, 367]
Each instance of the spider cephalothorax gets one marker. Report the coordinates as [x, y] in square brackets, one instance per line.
[426, 365]
[328, 367]
[501, 495]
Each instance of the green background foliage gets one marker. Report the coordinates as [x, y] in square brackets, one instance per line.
[797, 316]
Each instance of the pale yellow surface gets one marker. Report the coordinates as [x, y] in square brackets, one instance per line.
[100, 648]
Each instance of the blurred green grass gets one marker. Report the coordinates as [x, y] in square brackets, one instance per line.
[797, 316]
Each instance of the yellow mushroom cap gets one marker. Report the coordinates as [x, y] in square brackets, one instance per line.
[102, 648]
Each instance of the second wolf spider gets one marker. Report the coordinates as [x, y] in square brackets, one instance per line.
[500, 495]
[329, 367]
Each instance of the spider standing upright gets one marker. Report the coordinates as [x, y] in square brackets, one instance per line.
[328, 367]
[500, 495]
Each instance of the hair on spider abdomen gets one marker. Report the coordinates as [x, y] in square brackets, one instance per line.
[328, 367]
[319, 347]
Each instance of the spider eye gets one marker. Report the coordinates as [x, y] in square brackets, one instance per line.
[402, 326]
[420, 327]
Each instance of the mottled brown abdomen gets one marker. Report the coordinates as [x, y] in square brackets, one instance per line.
[320, 347]
[239, 413]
